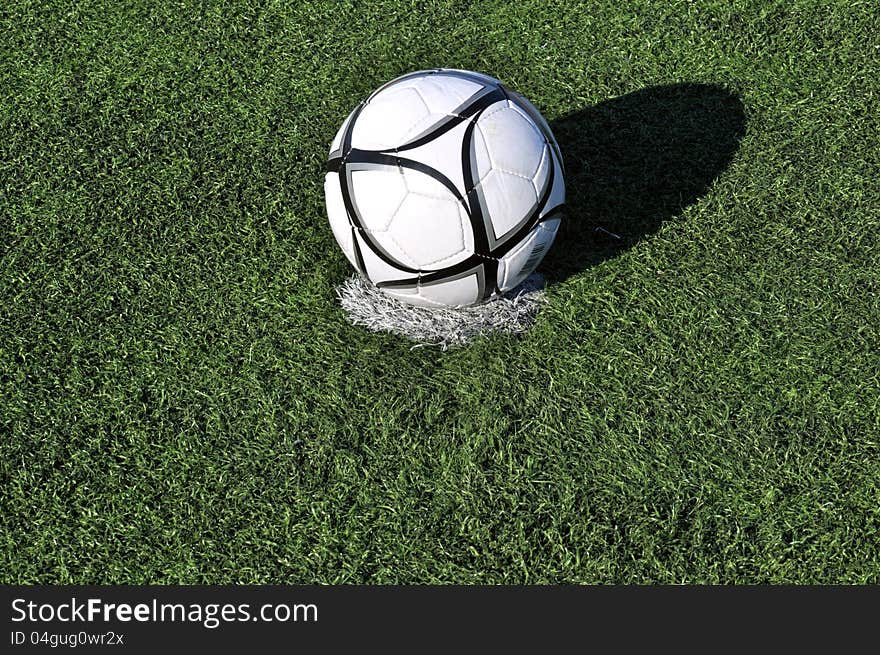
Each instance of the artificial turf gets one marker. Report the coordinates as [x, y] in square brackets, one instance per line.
[183, 401]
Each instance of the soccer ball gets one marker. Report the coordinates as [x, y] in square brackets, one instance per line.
[444, 188]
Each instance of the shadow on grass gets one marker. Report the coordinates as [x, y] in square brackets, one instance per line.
[633, 162]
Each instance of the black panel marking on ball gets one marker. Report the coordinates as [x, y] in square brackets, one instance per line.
[478, 221]
[511, 242]
[435, 276]
[393, 161]
[351, 208]
[358, 256]
[441, 128]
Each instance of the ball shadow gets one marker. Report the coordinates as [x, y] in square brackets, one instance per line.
[635, 161]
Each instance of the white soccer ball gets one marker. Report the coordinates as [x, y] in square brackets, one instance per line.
[444, 188]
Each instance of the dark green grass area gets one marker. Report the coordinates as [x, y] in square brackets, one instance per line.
[183, 401]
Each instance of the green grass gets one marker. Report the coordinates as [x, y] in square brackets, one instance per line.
[182, 401]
